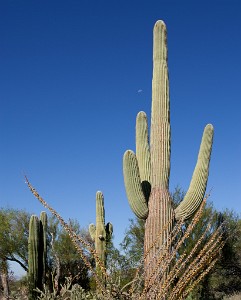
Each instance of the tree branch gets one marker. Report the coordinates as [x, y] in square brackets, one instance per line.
[12, 258]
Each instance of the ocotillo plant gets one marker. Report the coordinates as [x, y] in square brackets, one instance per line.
[37, 253]
[146, 173]
[100, 232]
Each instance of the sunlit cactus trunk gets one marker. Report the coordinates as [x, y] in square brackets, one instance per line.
[160, 203]
[146, 173]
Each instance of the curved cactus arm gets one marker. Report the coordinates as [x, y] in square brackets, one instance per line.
[197, 188]
[133, 185]
[92, 231]
[143, 153]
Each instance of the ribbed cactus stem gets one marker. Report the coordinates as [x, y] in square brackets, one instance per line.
[160, 204]
[34, 258]
[142, 147]
[160, 117]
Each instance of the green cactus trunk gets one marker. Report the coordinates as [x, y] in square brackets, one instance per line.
[34, 257]
[146, 173]
[101, 234]
[37, 253]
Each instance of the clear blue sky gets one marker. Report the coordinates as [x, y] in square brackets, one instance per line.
[73, 76]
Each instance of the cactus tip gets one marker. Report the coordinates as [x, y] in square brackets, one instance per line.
[99, 193]
[209, 126]
[129, 152]
[160, 23]
[141, 115]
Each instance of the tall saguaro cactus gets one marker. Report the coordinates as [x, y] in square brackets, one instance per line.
[146, 173]
[100, 232]
[37, 253]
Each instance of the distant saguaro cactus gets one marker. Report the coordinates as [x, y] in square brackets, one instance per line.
[146, 173]
[100, 232]
[37, 253]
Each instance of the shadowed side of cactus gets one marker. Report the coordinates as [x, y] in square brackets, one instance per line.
[146, 173]
[43, 236]
[37, 253]
[100, 233]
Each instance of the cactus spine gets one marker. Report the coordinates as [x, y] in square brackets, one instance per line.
[146, 173]
[37, 253]
[100, 233]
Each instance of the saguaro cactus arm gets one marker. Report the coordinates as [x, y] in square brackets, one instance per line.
[143, 153]
[92, 230]
[133, 185]
[197, 188]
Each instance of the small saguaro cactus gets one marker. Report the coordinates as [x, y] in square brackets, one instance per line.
[100, 232]
[37, 253]
[146, 173]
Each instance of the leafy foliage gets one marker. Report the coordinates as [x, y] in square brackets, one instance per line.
[65, 256]
[133, 242]
[14, 236]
